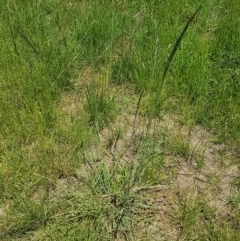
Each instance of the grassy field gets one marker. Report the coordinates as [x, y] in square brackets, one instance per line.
[120, 120]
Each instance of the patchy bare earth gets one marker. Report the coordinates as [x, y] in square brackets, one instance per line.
[195, 166]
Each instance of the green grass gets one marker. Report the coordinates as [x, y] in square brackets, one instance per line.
[107, 105]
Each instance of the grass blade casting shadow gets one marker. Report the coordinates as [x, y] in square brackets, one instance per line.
[27, 40]
[176, 46]
[169, 60]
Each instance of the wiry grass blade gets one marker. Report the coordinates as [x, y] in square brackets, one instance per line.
[176, 46]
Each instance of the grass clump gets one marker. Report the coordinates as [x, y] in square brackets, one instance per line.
[100, 106]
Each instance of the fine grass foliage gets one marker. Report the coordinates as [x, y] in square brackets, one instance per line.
[100, 106]
[73, 70]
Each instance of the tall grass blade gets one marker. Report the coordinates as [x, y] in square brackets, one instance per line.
[27, 40]
[176, 46]
[170, 57]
